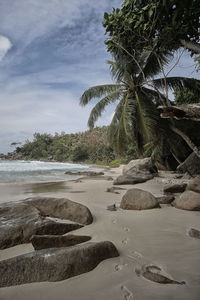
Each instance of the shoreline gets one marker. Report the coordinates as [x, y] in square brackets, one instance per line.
[154, 237]
[90, 164]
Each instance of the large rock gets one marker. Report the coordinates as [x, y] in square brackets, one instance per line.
[194, 185]
[140, 166]
[137, 171]
[20, 220]
[190, 165]
[130, 179]
[56, 241]
[14, 219]
[136, 199]
[175, 188]
[54, 264]
[189, 200]
[62, 208]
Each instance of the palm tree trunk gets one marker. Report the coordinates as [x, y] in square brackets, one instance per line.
[176, 158]
[192, 146]
[191, 45]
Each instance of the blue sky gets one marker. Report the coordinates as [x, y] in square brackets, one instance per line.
[50, 52]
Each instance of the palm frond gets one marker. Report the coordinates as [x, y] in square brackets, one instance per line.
[100, 106]
[117, 71]
[179, 83]
[152, 63]
[114, 123]
[157, 96]
[116, 132]
[97, 92]
[121, 70]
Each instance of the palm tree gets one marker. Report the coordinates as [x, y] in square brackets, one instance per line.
[137, 95]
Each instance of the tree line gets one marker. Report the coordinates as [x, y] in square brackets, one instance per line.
[89, 147]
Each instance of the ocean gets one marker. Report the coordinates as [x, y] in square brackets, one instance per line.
[36, 171]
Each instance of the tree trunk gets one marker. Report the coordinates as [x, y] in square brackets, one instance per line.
[185, 111]
[190, 165]
[192, 146]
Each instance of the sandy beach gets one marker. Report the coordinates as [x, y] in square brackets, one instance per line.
[150, 237]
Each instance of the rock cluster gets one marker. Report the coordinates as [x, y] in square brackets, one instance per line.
[20, 220]
[28, 221]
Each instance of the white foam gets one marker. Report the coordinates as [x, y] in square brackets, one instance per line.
[21, 166]
[19, 170]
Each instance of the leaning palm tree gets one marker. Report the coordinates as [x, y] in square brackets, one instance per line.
[137, 95]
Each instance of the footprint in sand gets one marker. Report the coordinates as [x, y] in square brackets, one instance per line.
[135, 254]
[125, 241]
[114, 221]
[119, 267]
[127, 294]
[126, 229]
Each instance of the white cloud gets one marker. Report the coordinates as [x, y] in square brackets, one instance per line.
[5, 45]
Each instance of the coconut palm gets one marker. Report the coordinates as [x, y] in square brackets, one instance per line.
[137, 96]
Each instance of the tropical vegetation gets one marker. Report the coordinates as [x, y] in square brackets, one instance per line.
[142, 38]
[88, 147]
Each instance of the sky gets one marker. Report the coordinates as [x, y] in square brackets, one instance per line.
[51, 51]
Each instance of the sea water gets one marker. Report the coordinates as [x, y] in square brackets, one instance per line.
[36, 171]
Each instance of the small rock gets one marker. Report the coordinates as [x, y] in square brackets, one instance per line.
[166, 199]
[136, 199]
[109, 178]
[56, 241]
[175, 188]
[112, 207]
[194, 233]
[84, 173]
[114, 189]
[153, 273]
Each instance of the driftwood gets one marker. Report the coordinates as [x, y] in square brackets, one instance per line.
[185, 111]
